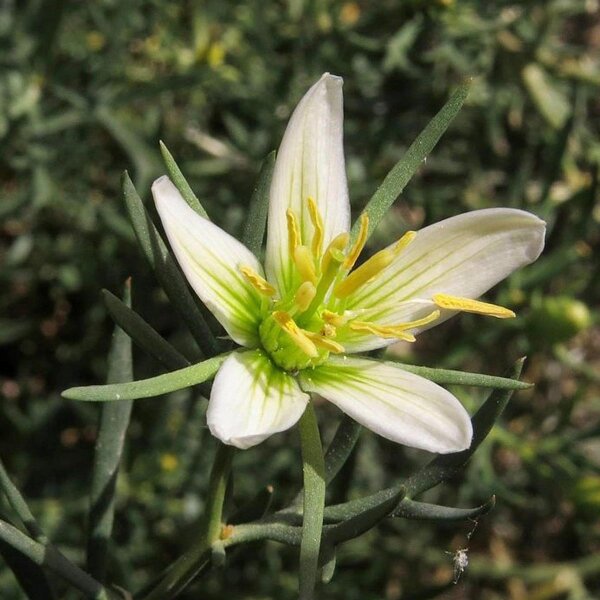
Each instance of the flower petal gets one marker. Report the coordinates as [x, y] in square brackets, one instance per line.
[462, 256]
[211, 259]
[310, 163]
[395, 404]
[252, 399]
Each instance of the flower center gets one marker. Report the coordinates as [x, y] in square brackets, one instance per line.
[299, 330]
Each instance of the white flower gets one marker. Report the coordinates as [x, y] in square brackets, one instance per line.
[310, 307]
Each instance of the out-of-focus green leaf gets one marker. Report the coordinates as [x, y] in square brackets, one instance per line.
[165, 267]
[148, 388]
[181, 183]
[411, 509]
[256, 220]
[143, 334]
[396, 180]
[114, 421]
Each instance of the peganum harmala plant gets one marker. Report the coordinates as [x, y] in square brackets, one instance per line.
[298, 320]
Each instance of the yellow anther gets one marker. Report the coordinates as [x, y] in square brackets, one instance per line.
[404, 241]
[382, 331]
[261, 285]
[317, 221]
[297, 335]
[364, 273]
[304, 295]
[361, 240]
[333, 318]
[305, 264]
[472, 306]
[293, 231]
[325, 343]
[336, 246]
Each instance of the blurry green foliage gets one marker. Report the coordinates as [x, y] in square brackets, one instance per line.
[88, 88]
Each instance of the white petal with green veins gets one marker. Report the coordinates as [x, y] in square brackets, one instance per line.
[252, 399]
[395, 404]
[211, 260]
[462, 256]
[310, 164]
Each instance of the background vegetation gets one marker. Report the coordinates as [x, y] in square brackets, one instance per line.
[88, 88]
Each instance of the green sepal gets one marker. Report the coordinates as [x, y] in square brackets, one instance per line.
[181, 183]
[143, 334]
[256, 222]
[149, 388]
[165, 267]
[423, 511]
[402, 172]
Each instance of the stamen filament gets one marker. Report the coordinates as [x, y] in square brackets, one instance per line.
[305, 264]
[361, 240]
[418, 322]
[260, 284]
[333, 252]
[333, 318]
[364, 273]
[298, 336]
[382, 331]
[317, 221]
[472, 306]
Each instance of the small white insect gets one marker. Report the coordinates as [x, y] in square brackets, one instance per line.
[461, 562]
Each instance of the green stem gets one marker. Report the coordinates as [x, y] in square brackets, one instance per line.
[186, 567]
[314, 502]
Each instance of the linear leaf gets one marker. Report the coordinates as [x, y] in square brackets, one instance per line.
[143, 334]
[405, 168]
[166, 269]
[449, 377]
[181, 183]
[314, 502]
[114, 420]
[411, 509]
[254, 231]
[148, 388]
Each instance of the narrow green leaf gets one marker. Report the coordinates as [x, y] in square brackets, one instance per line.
[411, 509]
[148, 388]
[114, 420]
[449, 377]
[328, 559]
[143, 334]
[341, 447]
[256, 222]
[256, 508]
[362, 521]
[396, 180]
[181, 182]
[314, 502]
[445, 466]
[354, 508]
[166, 269]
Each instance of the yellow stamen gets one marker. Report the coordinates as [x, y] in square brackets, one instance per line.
[418, 322]
[261, 285]
[328, 330]
[305, 264]
[336, 246]
[304, 295]
[293, 231]
[333, 318]
[317, 221]
[472, 306]
[383, 331]
[297, 335]
[361, 240]
[404, 241]
[364, 273]
[325, 343]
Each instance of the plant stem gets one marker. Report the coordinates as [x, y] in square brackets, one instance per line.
[314, 502]
[186, 567]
